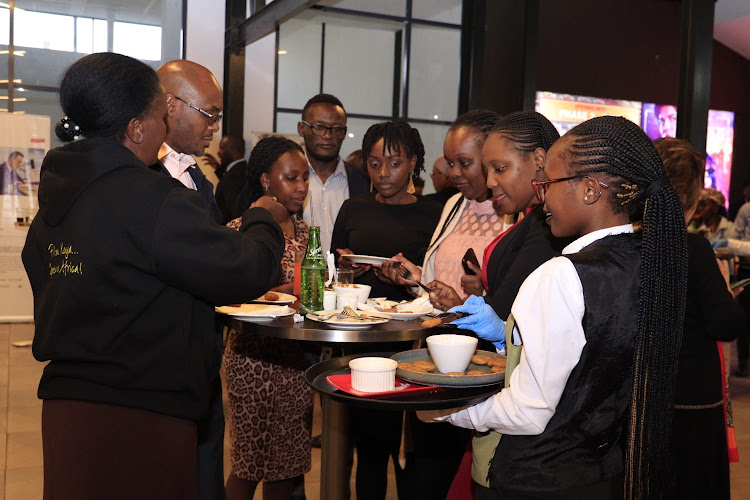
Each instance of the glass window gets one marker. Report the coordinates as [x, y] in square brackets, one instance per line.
[445, 11]
[141, 41]
[4, 25]
[388, 7]
[40, 103]
[91, 35]
[41, 30]
[359, 66]
[299, 62]
[434, 73]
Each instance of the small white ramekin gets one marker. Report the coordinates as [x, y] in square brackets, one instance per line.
[373, 374]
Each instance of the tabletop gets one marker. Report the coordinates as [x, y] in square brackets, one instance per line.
[441, 398]
[286, 328]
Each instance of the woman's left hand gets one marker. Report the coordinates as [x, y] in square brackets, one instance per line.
[472, 283]
[443, 296]
[359, 269]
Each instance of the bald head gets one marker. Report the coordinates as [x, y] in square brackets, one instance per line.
[440, 178]
[188, 86]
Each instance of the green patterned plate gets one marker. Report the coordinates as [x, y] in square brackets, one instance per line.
[442, 380]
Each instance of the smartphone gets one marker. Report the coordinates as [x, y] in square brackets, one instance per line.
[469, 256]
[739, 283]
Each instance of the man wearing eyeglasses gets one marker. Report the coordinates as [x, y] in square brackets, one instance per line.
[194, 109]
[194, 104]
[332, 180]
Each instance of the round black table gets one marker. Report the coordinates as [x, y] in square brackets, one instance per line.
[334, 483]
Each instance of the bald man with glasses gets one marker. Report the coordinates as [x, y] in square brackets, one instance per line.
[194, 109]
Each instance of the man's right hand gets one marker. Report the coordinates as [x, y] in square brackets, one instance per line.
[277, 210]
[211, 161]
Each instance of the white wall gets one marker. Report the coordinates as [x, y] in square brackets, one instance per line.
[260, 61]
[204, 44]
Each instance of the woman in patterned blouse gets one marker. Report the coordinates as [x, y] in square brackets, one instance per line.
[270, 406]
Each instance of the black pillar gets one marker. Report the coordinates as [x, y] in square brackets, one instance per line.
[498, 65]
[696, 32]
[234, 71]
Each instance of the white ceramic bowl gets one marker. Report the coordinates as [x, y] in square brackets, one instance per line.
[450, 352]
[373, 374]
[362, 291]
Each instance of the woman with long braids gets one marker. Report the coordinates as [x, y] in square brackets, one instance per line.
[270, 405]
[589, 408]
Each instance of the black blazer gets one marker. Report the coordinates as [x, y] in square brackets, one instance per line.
[526, 247]
[228, 190]
[711, 314]
[203, 186]
[358, 183]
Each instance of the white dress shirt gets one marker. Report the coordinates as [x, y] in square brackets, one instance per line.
[324, 201]
[549, 311]
[178, 165]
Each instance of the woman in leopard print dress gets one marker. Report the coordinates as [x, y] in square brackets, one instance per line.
[270, 405]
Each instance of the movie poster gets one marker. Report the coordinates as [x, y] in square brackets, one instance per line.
[660, 120]
[24, 140]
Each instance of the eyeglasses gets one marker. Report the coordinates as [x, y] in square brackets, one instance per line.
[212, 117]
[540, 187]
[321, 130]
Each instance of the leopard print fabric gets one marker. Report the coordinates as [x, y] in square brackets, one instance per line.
[270, 405]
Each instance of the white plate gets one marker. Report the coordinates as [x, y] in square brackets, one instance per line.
[284, 298]
[416, 312]
[377, 318]
[256, 312]
[366, 259]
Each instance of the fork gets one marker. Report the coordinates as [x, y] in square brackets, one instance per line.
[406, 274]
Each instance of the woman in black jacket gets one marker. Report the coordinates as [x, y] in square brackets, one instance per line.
[126, 267]
[700, 459]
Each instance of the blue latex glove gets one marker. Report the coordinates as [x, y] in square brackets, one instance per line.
[482, 320]
[719, 244]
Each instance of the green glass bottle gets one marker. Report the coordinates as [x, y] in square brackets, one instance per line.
[313, 273]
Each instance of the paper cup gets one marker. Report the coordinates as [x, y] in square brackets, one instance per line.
[346, 299]
[329, 300]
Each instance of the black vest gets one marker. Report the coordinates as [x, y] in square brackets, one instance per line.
[584, 441]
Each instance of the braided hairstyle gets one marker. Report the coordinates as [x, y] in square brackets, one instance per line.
[619, 149]
[262, 157]
[527, 130]
[101, 93]
[481, 121]
[684, 166]
[397, 136]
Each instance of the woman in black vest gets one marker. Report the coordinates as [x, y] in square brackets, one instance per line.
[588, 412]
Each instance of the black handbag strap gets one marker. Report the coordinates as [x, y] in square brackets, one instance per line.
[451, 215]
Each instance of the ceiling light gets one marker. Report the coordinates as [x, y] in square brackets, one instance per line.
[434, 117]
[282, 52]
[351, 135]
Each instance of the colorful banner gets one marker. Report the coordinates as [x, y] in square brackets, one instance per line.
[24, 140]
[565, 111]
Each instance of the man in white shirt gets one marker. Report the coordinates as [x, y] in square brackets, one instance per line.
[194, 105]
[332, 181]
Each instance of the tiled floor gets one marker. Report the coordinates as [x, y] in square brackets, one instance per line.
[21, 442]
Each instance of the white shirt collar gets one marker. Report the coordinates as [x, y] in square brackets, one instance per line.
[587, 239]
[235, 162]
[340, 169]
[176, 163]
